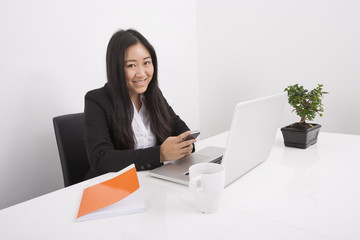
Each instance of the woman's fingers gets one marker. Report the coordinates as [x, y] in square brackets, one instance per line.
[187, 150]
[182, 136]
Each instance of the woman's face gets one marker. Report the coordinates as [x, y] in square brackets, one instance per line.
[139, 69]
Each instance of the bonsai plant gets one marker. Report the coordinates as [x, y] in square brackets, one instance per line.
[307, 104]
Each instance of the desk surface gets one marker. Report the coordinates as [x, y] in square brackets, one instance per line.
[294, 194]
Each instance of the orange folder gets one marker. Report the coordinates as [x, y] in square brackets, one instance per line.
[105, 199]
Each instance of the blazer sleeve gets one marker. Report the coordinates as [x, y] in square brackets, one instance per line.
[178, 125]
[102, 155]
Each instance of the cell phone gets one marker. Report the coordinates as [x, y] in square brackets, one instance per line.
[193, 135]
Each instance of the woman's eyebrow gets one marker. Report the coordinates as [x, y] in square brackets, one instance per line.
[135, 60]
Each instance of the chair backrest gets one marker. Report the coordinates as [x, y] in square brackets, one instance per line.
[69, 130]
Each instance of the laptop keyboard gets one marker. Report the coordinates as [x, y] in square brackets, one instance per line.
[217, 160]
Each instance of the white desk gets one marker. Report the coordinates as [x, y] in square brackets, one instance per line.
[294, 194]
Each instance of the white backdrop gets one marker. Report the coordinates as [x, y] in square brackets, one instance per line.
[53, 52]
[249, 49]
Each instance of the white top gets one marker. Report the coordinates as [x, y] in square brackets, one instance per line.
[144, 137]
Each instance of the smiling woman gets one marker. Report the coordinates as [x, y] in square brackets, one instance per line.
[129, 120]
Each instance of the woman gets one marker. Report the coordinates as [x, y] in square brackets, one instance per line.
[128, 120]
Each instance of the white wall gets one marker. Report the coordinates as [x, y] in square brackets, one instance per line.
[249, 49]
[53, 52]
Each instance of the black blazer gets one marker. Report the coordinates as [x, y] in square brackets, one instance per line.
[98, 138]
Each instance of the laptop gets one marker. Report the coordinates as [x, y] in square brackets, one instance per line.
[251, 136]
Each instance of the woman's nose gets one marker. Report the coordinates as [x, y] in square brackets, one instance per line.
[140, 72]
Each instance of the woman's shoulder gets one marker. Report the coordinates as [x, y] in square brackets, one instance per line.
[98, 99]
[99, 94]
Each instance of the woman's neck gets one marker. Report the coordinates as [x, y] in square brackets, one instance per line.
[137, 102]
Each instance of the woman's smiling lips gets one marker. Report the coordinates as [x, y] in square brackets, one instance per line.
[140, 82]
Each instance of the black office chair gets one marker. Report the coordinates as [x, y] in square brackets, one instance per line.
[69, 130]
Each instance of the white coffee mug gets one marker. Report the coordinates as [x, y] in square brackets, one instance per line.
[207, 183]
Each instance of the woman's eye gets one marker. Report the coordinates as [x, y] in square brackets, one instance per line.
[131, 65]
[147, 62]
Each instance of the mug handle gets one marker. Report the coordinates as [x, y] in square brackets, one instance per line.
[196, 184]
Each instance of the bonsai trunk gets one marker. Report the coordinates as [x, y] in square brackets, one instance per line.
[302, 120]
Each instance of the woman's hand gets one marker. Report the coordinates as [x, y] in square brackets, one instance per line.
[174, 148]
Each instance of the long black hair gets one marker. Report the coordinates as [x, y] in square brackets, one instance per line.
[123, 111]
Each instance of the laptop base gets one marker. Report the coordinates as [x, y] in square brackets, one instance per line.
[177, 171]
